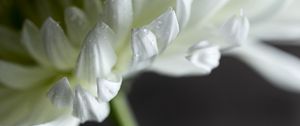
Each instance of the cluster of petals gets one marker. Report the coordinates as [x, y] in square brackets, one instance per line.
[79, 65]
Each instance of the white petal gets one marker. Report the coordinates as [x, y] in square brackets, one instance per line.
[58, 48]
[288, 11]
[205, 56]
[151, 8]
[9, 113]
[175, 65]
[22, 77]
[93, 9]
[279, 67]
[257, 12]
[119, 16]
[202, 10]
[77, 25]
[183, 12]
[62, 121]
[31, 105]
[144, 46]
[108, 88]
[61, 93]
[278, 30]
[272, 9]
[165, 28]
[87, 108]
[284, 26]
[97, 56]
[32, 40]
[236, 29]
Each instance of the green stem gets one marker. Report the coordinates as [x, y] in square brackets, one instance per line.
[121, 111]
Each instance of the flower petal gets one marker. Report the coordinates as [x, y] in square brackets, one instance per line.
[31, 105]
[77, 25]
[278, 30]
[93, 9]
[183, 12]
[205, 56]
[165, 28]
[288, 12]
[62, 121]
[172, 65]
[61, 93]
[236, 29]
[87, 108]
[271, 10]
[202, 10]
[257, 12]
[151, 8]
[108, 88]
[278, 67]
[144, 47]
[58, 48]
[119, 16]
[22, 77]
[97, 56]
[9, 101]
[32, 40]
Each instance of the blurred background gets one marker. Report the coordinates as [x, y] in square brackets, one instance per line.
[233, 95]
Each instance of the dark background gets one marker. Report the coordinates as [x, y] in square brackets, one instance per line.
[233, 95]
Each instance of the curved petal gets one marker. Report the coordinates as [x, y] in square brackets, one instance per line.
[58, 48]
[31, 39]
[87, 108]
[77, 25]
[165, 27]
[21, 77]
[26, 108]
[108, 88]
[289, 12]
[93, 9]
[277, 66]
[204, 55]
[62, 121]
[278, 30]
[97, 57]
[202, 10]
[183, 12]
[175, 65]
[151, 8]
[284, 26]
[256, 11]
[61, 94]
[144, 48]
[236, 29]
[119, 16]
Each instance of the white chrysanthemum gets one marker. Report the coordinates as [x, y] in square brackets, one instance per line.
[270, 20]
[80, 64]
[80, 68]
[202, 39]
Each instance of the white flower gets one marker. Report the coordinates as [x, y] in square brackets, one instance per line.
[78, 69]
[270, 20]
[195, 28]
